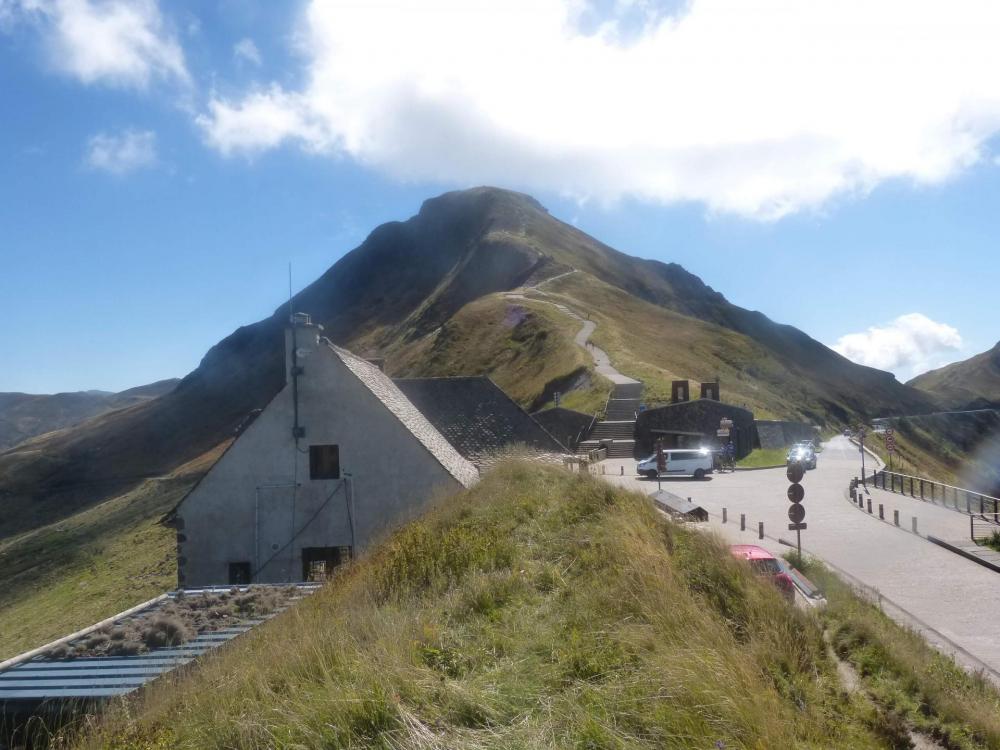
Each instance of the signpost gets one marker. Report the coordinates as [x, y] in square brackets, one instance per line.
[661, 463]
[796, 511]
[861, 443]
[890, 444]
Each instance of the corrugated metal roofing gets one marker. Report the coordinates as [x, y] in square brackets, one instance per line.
[94, 677]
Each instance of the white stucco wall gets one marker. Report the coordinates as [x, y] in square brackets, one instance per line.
[246, 507]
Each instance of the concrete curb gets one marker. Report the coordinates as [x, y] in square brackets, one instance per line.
[967, 555]
[759, 468]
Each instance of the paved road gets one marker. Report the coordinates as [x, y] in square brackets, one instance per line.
[954, 596]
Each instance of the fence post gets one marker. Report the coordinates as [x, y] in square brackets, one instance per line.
[921, 489]
[881, 512]
[895, 517]
[743, 521]
[914, 524]
[968, 505]
[760, 529]
[602, 469]
[725, 515]
[972, 533]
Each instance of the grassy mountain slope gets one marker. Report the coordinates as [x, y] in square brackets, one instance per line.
[971, 383]
[541, 609]
[25, 415]
[69, 574]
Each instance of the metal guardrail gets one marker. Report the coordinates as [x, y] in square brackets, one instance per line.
[928, 490]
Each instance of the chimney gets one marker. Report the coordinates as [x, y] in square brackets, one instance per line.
[301, 341]
[679, 391]
[711, 391]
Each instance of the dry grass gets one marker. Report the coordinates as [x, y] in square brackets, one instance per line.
[542, 609]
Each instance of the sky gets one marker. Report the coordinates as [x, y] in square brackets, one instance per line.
[835, 165]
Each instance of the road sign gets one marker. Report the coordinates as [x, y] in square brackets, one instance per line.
[661, 460]
[795, 472]
[722, 432]
[890, 441]
[796, 513]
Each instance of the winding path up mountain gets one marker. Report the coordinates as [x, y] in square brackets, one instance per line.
[602, 362]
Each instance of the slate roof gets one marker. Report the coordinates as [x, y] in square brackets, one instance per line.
[476, 416]
[383, 388]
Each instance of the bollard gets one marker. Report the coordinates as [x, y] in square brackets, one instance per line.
[881, 513]
[869, 506]
[895, 517]
[743, 521]
[854, 495]
[914, 524]
[968, 505]
[725, 515]
[760, 529]
[623, 471]
[602, 469]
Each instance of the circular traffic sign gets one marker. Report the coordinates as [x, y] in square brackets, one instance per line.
[796, 513]
[795, 472]
[795, 493]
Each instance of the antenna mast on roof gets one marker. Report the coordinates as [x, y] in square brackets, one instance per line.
[290, 313]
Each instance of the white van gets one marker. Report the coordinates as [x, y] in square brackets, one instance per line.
[694, 462]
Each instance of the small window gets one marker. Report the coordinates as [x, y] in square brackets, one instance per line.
[324, 462]
[239, 573]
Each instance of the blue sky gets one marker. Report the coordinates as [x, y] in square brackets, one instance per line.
[161, 164]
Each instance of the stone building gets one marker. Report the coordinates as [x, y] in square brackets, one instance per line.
[691, 424]
[337, 458]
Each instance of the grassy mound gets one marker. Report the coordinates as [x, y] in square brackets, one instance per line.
[540, 609]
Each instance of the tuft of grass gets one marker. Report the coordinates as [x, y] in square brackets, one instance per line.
[541, 609]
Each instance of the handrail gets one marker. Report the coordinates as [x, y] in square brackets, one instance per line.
[939, 484]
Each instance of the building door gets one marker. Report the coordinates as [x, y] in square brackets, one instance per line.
[319, 562]
[275, 554]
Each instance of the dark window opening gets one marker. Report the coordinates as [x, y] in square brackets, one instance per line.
[318, 563]
[239, 573]
[324, 462]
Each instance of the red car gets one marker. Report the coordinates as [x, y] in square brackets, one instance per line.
[765, 564]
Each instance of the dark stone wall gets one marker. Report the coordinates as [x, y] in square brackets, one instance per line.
[772, 433]
[702, 415]
[563, 424]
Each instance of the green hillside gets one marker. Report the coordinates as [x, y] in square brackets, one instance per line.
[74, 572]
[965, 384]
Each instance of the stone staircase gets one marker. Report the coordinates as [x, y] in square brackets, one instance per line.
[616, 431]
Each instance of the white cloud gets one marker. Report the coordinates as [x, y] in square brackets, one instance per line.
[755, 107]
[246, 51]
[909, 345]
[122, 153]
[118, 42]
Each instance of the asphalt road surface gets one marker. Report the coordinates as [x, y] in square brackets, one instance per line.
[953, 596]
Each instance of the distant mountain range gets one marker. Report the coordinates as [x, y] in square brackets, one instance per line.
[460, 288]
[25, 415]
[972, 383]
